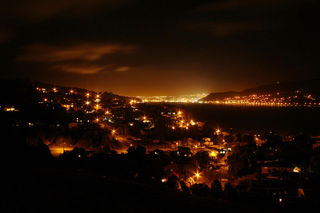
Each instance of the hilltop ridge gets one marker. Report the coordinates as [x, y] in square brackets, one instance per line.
[299, 92]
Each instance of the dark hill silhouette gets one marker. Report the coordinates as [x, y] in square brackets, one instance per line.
[20, 92]
[284, 88]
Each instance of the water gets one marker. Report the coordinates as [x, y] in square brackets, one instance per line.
[289, 120]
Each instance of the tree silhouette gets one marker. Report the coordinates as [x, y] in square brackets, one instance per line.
[216, 189]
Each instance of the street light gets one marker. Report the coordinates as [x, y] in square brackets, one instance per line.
[218, 131]
[197, 174]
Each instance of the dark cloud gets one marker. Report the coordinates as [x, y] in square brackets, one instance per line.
[167, 46]
[80, 69]
[4, 36]
[83, 51]
[82, 58]
[234, 17]
[227, 28]
[122, 69]
[252, 5]
[38, 10]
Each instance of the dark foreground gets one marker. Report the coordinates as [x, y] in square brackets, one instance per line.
[53, 190]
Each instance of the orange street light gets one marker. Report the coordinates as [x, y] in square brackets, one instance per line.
[218, 131]
[197, 174]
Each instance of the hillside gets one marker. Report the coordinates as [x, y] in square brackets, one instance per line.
[287, 92]
[22, 92]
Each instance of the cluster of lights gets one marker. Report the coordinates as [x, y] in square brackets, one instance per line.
[133, 101]
[269, 100]
[42, 90]
[68, 106]
[217, 131]
[97, 107]
[10, 109]
[181, 122]
[173, 99]
[145, 119]
[89, 105]
[213, 154]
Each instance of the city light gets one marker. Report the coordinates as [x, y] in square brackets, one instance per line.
[10, 109]
[145, 119]
[218, 131]
[296, 170]
[113, 132]
[160, 106]
[271, 100]
[132, 101]
[197, 174]
[193, 98]
[141, 124]
[163, 180]
[213, 154]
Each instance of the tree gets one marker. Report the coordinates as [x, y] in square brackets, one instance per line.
[173, 182]
[230, 192]
[216, 189]
[202, 159]
[242, 161]
[200, 189]
[184, 187]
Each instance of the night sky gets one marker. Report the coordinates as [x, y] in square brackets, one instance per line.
[160, 47]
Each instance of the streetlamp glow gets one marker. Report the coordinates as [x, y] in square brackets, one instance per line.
[197, 174]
